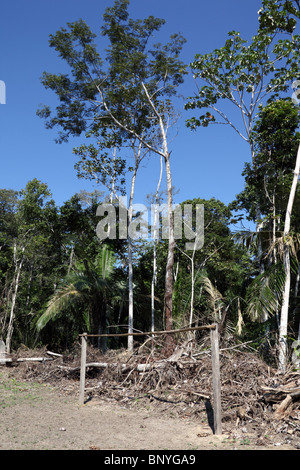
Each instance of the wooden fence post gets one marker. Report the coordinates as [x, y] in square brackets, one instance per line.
[214, 336]
[82, 368]
[2, 352]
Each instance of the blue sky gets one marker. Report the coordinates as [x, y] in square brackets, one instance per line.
[206, 163]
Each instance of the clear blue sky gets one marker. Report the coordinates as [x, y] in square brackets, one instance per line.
[207, 163]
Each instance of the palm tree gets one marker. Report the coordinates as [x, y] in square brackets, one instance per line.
[86, 291]
[264, 294]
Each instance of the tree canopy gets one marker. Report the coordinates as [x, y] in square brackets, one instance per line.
[118, 93]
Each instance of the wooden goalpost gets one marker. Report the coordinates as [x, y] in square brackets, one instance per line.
[215, 358]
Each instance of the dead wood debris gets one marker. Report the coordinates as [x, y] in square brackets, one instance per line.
[253, 394]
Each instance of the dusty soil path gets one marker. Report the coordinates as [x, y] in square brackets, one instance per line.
[38, 417]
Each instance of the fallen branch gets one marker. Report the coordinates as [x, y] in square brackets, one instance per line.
[275, 394]
[201, 395]
[54, 354]
[284, 406]
[34, 359]
[105, 365]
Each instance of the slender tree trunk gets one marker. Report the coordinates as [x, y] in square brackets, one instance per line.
[168, 301]
[130, 296]
[274, 252]
[284, 312]
[297, 282]
[259, 222]
[71, 259]
[154, 275]
[13, 304]
[286, 263]
[171, 248]
[153, 283]
[29, 288]
[296, 295]
[113, 178]
[193, 289]
[130, 266]
[138, 158]
[166, 156]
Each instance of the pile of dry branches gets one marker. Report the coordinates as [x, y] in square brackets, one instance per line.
[253, 393]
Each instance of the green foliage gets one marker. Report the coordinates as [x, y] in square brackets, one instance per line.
[64, 301]
[279, 16]
[268, 177]
[116, 99]
[245, 75]
[264, 294]
[104, 97]
[221, 264]
[120, 99]
[83, 296]
[8, 229]
[50, 241]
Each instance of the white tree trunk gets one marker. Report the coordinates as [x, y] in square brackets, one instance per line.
[155, 235]
[138, 158]
[171, 246]
[166, 155]
[286, 262]
[130, 263]
[14, 298]
[192, 290]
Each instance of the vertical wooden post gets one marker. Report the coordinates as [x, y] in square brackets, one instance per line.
[2, 352]
[214, 336]
[82, 368]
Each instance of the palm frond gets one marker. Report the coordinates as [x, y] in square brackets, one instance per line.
[292, 240]
[246, 238]
[219, 307]
[81, 286]
[215, 297]
[105, 262]
[60, 300]
[240, 322]
[264, 294]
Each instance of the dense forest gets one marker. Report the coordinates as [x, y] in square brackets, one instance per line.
[58, 278]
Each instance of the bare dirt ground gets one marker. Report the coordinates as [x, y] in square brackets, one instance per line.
[39, 410]
[34, 416]
[37, 417]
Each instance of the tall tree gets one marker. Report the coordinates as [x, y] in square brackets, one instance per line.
[283, 352]
[268, 178]
[132, 94]
[35, 255]
[272, 180]
[8, 229]
[226, 264]
[245, 75]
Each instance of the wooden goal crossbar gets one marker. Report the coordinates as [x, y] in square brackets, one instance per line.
[153, 333]
[214, 338]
